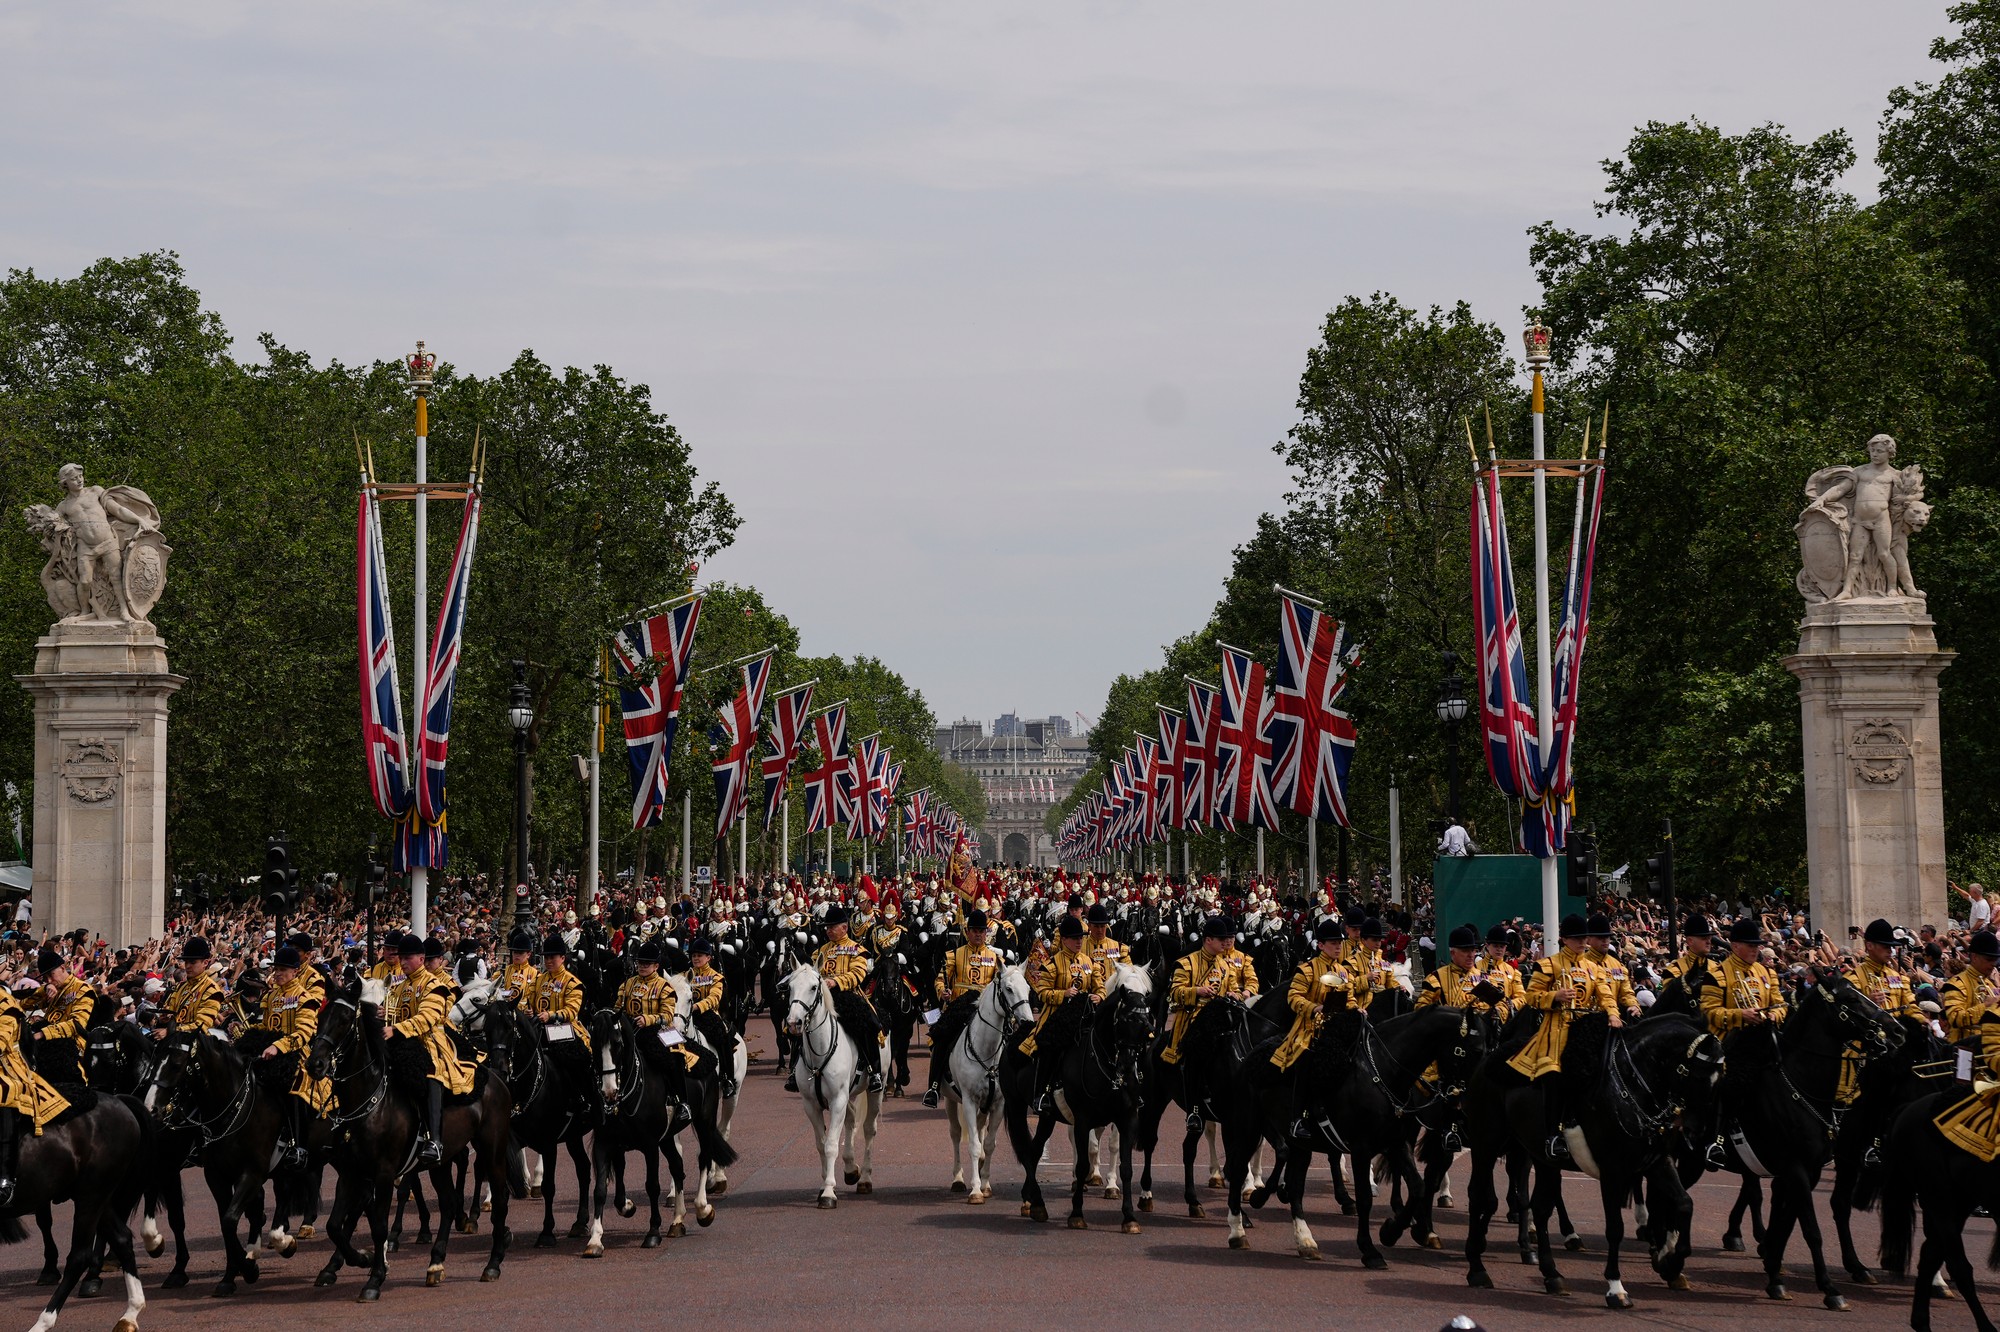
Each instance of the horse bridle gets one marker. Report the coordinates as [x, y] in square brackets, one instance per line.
[636, 1083]
[339, 1058]
[979, 1018]
[236, 1110]
[805, 1034]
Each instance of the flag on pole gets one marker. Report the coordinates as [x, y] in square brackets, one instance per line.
[1315, 739]
[1204, 777]
[1558, 807]
[383, 744]
[739, 729]
[651, 658]
[827, 785]
[788, 733]
[1506, 720]
[1243, 744]
[1173, 769]
[426, 842]
[865, 788]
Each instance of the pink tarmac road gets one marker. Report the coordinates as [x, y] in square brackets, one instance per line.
[915, 1255]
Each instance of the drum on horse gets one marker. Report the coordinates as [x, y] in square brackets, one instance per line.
[1101, 1083]
[378, 1125]
[972, 1094]
[833, 1084]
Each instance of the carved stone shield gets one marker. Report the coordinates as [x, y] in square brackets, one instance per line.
[1880, 751]
[145, 572]
[1823, 555]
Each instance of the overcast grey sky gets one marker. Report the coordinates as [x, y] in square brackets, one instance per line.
[985, 314]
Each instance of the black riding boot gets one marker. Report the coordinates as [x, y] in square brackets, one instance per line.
[12, 1128]
[792, 1078]
[871, 1055]
[430, 1146]
[291, 1151]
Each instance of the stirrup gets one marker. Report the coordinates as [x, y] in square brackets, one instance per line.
[728, 1088]
[792, 1081]
[1301, 1127]
[6, 1191]
[428, 1150]
[1873, 1156]
[291, 1156]
[931, 1097]
[1715, 1158]
[1194, 1121]
[682, 1116]
[1452, 1142]
[875, 1080]
[1558, 1149]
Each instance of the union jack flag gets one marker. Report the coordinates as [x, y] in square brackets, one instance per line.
[651, 659]
[1507, 721]
[1153, 799]
[1310, 774]
[427, 839]
[788, 732]
[1243, 744]
[739, 729]
[1204, 771]
[1173, 767]
[827, 786]
[382, 743]
[869, 771]
[1558, 776]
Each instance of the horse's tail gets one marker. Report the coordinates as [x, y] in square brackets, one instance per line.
[1867, 1187]
[1899, 1220]
[713, 1145]
[142, 1179]
[11, 1230]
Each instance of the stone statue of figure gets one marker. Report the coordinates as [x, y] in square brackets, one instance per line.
[107, 561]
[1854, 535]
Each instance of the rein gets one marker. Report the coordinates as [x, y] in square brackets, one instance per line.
[381, 1089]
[807, 1011]
[236, 1110]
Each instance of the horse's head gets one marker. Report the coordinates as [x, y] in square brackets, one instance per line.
[106, 1061]
[1010, 993]
[1696, 1078]
[1852, 1014]
[1474, 1037]
[340, 1020]
[1129, 997]
[805, 994]
[179, 1067]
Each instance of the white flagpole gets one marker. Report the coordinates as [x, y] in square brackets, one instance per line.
[1538, 357]
[1312, 854]
[1260, 853]
[1395, 842]
[687, 846]
[787, 834]
[743, 849]
[420, 376]
[590, 832]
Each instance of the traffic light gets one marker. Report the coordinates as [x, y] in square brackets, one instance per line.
[279, 883]
[374, 880]
[1580, 850]
[1660, 868]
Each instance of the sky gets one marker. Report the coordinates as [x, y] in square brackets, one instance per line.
[986, 316]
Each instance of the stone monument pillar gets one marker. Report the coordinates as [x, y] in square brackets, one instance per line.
[1868, 665]
[101, 685]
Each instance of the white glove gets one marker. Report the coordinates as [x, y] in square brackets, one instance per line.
[800, 935]
[902, 961]
[771, 946]
[924, 937]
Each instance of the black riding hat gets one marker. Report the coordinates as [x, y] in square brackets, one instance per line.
[837, 915]
[1218, 927]
[1353, 920]
[1328, 931]
[646, 952]
[302, 941]
[1880, 931]
[48, 960]
[700, 944]
[196, 950]
[433, 947]
[1465, 936]
[1099, 914]
[1984, 944]
[975, 919]
[1598, 926]
[1744, 929]
[409, 946]
[553, 946]
[1371, 928]
[1697, 927]
[1070, 928]
[286, 956]
[1573, 927]
[1497, 934]
[520, 941]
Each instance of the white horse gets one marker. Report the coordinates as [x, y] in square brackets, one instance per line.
[832, 1084]
[973, 1095]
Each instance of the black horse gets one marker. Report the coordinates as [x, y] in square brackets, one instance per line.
[647, 1112]
[378, 1124]
[209, 1092]
[95, 1155]
[551, 1110]
[1917, 1070]
[120, 1058]
[894, 991]
[1351, 1094]
[1778, 1110]
[1627, 1095]
[1929, 1169]
[1102, 1081]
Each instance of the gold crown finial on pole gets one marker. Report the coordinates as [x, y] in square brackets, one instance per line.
[422, 365]
[1536, 338]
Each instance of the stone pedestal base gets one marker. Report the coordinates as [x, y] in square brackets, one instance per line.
[101, 779]
[1868, 697]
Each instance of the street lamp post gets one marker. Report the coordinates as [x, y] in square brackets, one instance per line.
[521, 716]
[1451, 710]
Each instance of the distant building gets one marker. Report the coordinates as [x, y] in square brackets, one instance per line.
[1007, 725]
[1024, 773]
